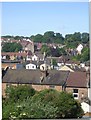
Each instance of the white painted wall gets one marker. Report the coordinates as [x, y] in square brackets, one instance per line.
[79, 48]
[34, 58]
[31, 66]
[86, 107]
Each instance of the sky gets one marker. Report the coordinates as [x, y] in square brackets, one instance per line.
[32, 18]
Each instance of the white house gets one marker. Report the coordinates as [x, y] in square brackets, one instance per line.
[79, 48]
[65, 68]
[31, 66]
[45, 66]
[34, 58]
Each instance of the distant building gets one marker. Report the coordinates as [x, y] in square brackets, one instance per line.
[79, 48]
[31, 66]
[34, 58]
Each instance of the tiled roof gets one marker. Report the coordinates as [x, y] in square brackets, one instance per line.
[77, 79]
[34, 77]
[14, 53]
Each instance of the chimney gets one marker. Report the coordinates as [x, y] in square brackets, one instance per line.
[44, 74]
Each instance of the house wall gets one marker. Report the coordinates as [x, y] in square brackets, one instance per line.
[36, 87]
[12, 57]
[12, 65]
[42, 87]
[82, 92]
[30, 66]
[3, 89]
[34, 58]
[45, 66]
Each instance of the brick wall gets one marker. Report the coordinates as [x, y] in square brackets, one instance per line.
[83, 92]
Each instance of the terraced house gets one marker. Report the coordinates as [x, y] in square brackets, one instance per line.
[75, 82]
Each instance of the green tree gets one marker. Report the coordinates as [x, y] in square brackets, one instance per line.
[14, 103]
[48, 103]
[49, 36]
[37, 38]
[85, 38]
[54, 62]
[51, 104]
[20, 92]
[59, 38]
[45, 49]
[11, 47]
[85, 55]
[72, 40]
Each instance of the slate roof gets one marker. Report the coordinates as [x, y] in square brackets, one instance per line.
[77, 79]
[25, 76]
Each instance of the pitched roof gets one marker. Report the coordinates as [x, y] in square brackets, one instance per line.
[66, 68]
[14, 53]
[77, 79]
[24, 76]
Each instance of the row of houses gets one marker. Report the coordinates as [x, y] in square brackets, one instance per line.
[33, 61]
[74, 82]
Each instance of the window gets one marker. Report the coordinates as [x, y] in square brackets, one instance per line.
[32, 66]
[75, 93]
[75, 90]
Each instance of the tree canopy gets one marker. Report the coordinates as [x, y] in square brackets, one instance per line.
[85, 55]
[49, 104]
[11, 47]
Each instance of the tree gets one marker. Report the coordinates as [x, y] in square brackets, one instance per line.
[85, 55]
[51, 104]
[20, 92]
[49, 36]
[54, 62]
[37, 38]
[59, 38]
[72, 40]
[85, 38]
[11, 47]
[45, 49]
[47, 103]
[14, 103]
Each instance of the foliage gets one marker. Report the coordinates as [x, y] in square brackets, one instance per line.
[48, 103]
[37, 38]
[71, 40]
[54, 62]
[48, 37]
[11, 47]
[85, 38]
[20, 92]
[85, 55]
[45, 49]
[53, 104]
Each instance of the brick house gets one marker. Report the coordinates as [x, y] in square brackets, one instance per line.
[38, 79]
[13, 55]
[75, 82]
[78, 84]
